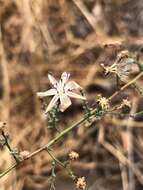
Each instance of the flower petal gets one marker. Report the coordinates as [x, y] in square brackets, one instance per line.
[50, 92]
[52, 103]
[60, 87]
[65, 102]
[52, 80]
[72, 85]
[64, 77]
[75, 95]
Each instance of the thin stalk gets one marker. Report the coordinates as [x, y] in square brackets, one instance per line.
[126, 85]
[57, 138]
[47, 146]
[9, 170]
[125, 114]
[69, 129]
[138, 113]
[62, 165]
[9, 147]
[55, 159]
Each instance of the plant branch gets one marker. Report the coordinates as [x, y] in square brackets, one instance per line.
[57, 138]
[47, 146]
[9, 147]
[62, 165]
[9, 170]
[69, 129]
[126, 85]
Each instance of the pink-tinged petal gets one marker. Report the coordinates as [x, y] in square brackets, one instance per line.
[71, 85]
[75, 95]
[64, 77]
[52, 80]
[50, 92]
[52, 103]
[60, 86]
[65, 102]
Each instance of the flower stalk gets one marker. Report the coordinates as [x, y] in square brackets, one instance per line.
[56, 160]
[6, 143]
[58, 137]
[94, 113]
[47, 146]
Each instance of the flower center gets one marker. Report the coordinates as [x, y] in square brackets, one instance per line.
[60, 88]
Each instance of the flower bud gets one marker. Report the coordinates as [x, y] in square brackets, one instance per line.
[81, 183]
[103, 102]
[73, 155]
[24, 154]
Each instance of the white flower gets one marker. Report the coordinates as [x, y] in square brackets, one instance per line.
[62, 90]
[103, 102]
[81, 183]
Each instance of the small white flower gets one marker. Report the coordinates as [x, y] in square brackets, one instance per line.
[62, 90]
[103, 102]
[81, 183]
[125, 103]
[73, 155]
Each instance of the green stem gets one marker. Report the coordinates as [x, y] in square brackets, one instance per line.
[62, 165]
[125, 114]
[47, 146]
[55, 159]
[9, 147]
[57, 138]
[139, 113]
[8, 170]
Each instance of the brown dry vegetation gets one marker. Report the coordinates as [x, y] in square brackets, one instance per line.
[42, 36]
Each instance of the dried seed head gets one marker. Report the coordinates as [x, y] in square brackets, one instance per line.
[122, 66]
[73, 155]
[122, 54]
[24, 154]
[110, 69]
[81, 183]
[103, 102]
[125, 103]
[125, 62]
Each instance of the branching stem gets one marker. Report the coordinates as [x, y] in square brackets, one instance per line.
[69, 129]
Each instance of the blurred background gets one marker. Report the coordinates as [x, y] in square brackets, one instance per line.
[38, 37]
